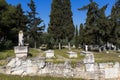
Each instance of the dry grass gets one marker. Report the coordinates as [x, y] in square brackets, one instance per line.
[10, 77]
[104, 57]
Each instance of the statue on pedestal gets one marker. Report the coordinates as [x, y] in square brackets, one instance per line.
[20, 38]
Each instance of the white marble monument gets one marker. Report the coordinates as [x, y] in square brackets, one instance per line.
[89, 62]
[21, 50]
[49, 53]
[72, 54]
[86, 48]
[20, 38]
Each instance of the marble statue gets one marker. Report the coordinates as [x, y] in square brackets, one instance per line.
[20, 38]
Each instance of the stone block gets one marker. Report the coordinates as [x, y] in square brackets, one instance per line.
[17, 72]
[72, 54]
[49, 53]
[111, 73]
[90, 67]
[21, 51]
[12, 63]
[32, 69]
[89, 58]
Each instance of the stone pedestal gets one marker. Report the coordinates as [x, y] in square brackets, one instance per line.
[21, 51]
[89, 58]
[72, 54]
[89, 62]
[49, 54]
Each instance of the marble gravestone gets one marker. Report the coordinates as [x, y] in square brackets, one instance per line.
[49, 53]
[89, 62]
[21, 50]
[72, 54]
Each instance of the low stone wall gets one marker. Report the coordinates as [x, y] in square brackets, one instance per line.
[37, 66]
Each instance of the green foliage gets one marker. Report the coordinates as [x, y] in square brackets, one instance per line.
[76, 38]
[97, 29]
[34, 30]
[8, 44]
[61, 24]
[68, 25]
[81, 34]
[91, 21]
[100, 29]
[12, 20]
[115, 23]
[55, 27]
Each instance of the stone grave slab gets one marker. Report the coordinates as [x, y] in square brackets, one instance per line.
[49, 54]
[72, 54]
[21, 51]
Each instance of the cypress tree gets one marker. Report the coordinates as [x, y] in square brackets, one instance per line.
[115, 23]
[104, 28]
[91, 21]
[95, 24]
[76, 37]
[67, 21]
[21, 19]
[81, 35]
[55, 27]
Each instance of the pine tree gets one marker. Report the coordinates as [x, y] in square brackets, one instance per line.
[67, 21]
[55, 27]
[34, 29]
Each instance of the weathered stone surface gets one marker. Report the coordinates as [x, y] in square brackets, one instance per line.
[89, 58]
[90, 67]
[36, 66]
[20, 38]
[111, 72]
[85, 52]
[11, 63]
[21, 51]
[17, 72]
[41, 64]
[32, 69]
[18, 66]
[72, 54]
[49, 54]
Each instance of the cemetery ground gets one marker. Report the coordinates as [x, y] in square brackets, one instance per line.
[61, 56]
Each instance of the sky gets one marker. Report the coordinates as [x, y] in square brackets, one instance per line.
[44, 7]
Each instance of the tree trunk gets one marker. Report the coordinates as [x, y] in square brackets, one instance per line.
[69, 47]
[59, 46]
[35, 45]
